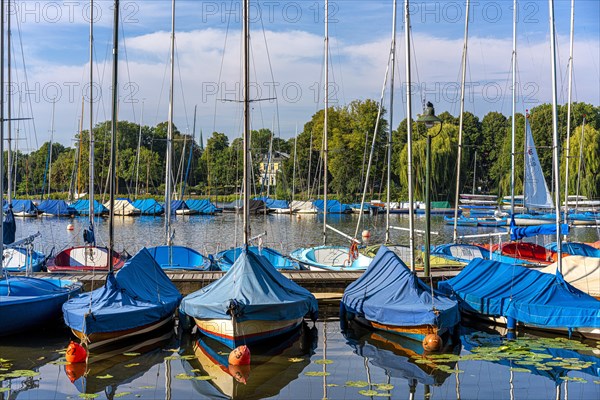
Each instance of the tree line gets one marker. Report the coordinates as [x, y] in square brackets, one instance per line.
[216, 168]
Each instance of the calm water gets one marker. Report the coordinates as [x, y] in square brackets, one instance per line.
[323, 362]
[210, 234]
[320, 363]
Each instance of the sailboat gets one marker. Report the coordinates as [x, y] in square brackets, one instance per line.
[517, 296]
[327, 257]
[138, 299]
[26, 303]
[88, 257]
[252, 302]
[168, 256]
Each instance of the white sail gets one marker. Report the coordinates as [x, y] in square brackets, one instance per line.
[536, 189]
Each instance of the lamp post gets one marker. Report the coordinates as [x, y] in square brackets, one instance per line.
[429, 119]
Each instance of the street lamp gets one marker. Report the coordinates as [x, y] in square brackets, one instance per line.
[429, 119]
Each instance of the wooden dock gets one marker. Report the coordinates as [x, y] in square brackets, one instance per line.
[317, 282]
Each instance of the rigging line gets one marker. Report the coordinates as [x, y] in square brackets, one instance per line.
[162, 89]
[185, 112]
[26, 80]
[416, 67]
[221, 68]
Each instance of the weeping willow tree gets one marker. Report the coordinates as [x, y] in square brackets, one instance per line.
[443, 163]
[588, 157]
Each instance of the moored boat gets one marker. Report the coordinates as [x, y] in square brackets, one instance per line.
[331, 258]
[83, 259]
[389, 297]
[225, 259]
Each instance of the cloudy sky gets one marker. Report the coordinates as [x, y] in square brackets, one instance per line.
[50, 58]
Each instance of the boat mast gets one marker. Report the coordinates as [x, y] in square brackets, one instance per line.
[246, 133]
[50, 148]
[9, 101]
[568, 149]
[137, 161]
[460, 124]
[91, 133]
[579, 163]
[325, 139]
[168, 156]
[474, 172]
[411, 211]
[189, 161]
[1, 129]
[555, 135]
[513, 127]
[391, 127]
[113, 143]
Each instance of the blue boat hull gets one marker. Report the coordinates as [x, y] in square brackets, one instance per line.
[179, 258]
[26, 303]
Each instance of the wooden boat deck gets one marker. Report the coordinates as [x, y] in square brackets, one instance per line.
[188, 282]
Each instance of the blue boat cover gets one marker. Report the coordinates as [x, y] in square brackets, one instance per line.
[575, 249]
[178, 205]
[202, 206]
[529, 296]
[138, 294]
[9, 227]
[56, 207]
[333, 207]
[388, 293]
[225, 259]
[251, 290]
[529, 231]
[179, 257]
[272, 203]
[82, 207]
[149, 206]
[26, 206]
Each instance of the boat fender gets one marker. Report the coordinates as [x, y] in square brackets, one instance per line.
[366, 234]
[70, 227]
[432, 342]
[240, 373]
[75, 353]
[240, 356]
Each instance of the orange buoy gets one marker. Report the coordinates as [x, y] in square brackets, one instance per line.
[366, 234]
[240, 356]
[240, 373]
[75, 353]
[432, 342]
[70, 227]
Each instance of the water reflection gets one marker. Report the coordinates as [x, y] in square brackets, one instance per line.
[106, 371]
[20, 363]
[400, 357]
[272, 368]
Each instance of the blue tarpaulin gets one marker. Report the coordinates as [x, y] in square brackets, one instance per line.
[138, 294]
[9, 227]
[575, 249]
[251, 290]
[333, 207]
[272, 203]
[532, 297]
[58, 208]
[178, 205]
[529, 231]
[83, 207]
[388, 293]
[149, 207]
[22, 206]
[202, 206]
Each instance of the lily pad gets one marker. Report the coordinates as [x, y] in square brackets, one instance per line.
[172, 358]
[332, 385]
[121, 394]
[4, 389]
[295, 359]
[384, 386]
[88, 395]
[184, 377]
[59, 362]
[573, 379]
[324, 361]
[188, 357]
[131, 354]
[21, 373]
[107, 376]
[514, 369]
[204, 378]
[147, 387]
[368, 392]
[132, 365]
[358, 384]
[317, 373]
